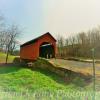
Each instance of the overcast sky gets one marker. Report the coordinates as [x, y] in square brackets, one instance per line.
[63, 17]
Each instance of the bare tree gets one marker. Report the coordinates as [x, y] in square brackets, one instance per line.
[66, 46]
[1, 31]
[60, 44]
[72, 42]
[12, 34]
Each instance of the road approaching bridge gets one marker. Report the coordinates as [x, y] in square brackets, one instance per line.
[83, 67]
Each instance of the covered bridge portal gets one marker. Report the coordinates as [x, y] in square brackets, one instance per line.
[43, 46]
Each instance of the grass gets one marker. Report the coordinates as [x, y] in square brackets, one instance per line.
[43, 83]
[3, 58]
[22, 79]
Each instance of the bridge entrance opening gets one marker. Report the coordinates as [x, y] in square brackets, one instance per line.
[46, 50]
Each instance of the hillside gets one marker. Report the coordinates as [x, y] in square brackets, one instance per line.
[36, 84]
[3, 57]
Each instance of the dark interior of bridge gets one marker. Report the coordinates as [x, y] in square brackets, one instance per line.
[46, 51]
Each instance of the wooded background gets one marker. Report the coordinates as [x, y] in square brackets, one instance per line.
[80, 45]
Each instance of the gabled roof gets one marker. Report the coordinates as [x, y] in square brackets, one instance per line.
[34, 40]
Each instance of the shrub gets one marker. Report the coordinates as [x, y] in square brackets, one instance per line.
[78, 81]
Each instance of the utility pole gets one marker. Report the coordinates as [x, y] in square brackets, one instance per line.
[93, 57]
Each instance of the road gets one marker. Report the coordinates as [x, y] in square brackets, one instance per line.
[83, 67]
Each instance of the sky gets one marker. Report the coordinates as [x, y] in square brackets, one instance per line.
[64, 17]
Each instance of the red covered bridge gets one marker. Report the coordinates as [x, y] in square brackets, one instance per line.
[42, 46]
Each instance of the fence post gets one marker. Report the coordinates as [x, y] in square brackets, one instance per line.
[93, 57]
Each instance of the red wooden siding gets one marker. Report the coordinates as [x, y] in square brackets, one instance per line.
[31, 51]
